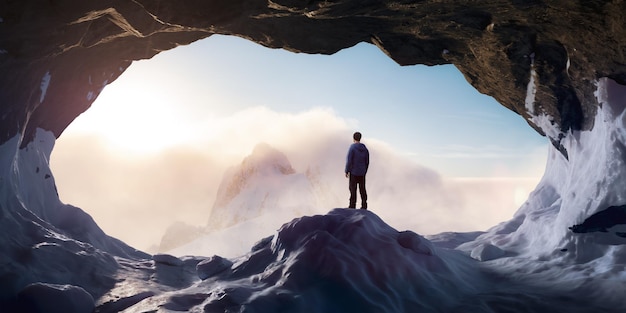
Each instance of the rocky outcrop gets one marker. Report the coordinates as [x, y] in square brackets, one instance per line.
[57, 56]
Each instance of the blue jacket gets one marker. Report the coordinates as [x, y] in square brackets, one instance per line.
[358, 159]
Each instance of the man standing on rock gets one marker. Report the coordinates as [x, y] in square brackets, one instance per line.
[357, 162]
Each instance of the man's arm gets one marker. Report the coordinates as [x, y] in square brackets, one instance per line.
[367, 159]
[349, 161]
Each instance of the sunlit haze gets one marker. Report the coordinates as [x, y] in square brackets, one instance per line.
[155, 144]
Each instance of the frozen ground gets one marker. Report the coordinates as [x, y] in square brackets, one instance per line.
[563, 251]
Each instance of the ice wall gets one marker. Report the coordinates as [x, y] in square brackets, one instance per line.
[44, 240]
[591, 179]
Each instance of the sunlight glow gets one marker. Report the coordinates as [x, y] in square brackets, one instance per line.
[130, 118]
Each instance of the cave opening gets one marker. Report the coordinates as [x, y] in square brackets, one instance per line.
[153, 148]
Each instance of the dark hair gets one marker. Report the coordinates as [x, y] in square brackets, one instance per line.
[357, 136]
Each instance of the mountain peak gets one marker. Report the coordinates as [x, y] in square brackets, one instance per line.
[265, 164]
[265, 158]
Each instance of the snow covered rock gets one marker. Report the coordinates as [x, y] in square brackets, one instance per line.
[415, 242]
[344, 261]
[607, 226]
[167, 259]
[578, 206]
[350, 261]
[212, 266]
[486, 252]
[43, 239]
[568, 236]
[52, 298]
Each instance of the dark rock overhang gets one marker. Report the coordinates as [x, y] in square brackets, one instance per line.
[56, 56]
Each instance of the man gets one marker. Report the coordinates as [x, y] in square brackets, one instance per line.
[357, 162]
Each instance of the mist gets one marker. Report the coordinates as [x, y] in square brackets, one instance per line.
[135, 197]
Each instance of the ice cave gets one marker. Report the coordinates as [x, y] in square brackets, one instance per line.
[560, 65]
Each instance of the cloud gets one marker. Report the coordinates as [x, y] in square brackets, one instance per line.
[237, 134]
[136, 197]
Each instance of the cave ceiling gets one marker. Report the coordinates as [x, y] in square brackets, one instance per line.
[58, 55]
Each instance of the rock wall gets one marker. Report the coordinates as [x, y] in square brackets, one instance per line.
[57, 56]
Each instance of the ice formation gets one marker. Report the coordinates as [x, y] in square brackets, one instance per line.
[557, 238]
[563, 251]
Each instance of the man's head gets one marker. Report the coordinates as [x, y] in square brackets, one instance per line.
[356, 136]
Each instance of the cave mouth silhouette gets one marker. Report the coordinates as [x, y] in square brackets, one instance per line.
[183, 62]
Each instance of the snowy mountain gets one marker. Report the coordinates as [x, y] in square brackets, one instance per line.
[264, 183]
[178, 234]
[255, 197]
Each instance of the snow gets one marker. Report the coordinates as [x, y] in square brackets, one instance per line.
[24, 173]
[235, 240]
[91, 95]
[571, 191]
[45, 240]
[351, 261]
[345, 260]
[274, 184]
[486, 252]
[547, 125]
[531, 89]
[542, 120]
[212, 266]
[167, 259]
[45, 82]
[53, 298]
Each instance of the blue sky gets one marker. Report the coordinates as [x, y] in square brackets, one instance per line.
[429, 113]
